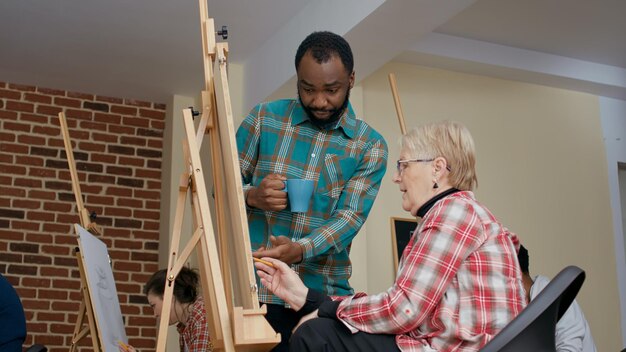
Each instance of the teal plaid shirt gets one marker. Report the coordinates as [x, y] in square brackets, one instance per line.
[346, 162]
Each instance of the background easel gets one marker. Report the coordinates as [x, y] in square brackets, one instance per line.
[236, 320]
[86, 308]
[396, 101]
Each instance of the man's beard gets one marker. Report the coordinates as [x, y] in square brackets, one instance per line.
[335, 114]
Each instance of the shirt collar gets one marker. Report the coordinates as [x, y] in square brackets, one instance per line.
[347, 122]
[429, 204]
[180, 327]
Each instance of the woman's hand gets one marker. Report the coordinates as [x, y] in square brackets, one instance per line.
[125, 348]
[283, 282]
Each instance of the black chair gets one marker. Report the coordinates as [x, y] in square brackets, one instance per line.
[37, 348]
[533, 329]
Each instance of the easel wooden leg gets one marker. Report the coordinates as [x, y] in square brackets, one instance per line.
[86, 308]
[209, 253]
[78, 334]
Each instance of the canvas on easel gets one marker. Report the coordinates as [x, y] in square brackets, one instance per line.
[236, 320]
[96, 264]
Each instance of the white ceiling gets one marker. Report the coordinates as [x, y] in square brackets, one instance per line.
[586, 30]
[151, 49]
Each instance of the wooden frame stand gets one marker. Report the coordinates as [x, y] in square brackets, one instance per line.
[232, 328]
[85, 311]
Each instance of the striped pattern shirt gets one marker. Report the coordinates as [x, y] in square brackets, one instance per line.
[458, 283]
[347, 163]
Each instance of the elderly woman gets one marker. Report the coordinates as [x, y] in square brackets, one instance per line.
[458, 280]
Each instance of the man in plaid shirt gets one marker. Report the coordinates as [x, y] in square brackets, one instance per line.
[458, 282]
[316, 137]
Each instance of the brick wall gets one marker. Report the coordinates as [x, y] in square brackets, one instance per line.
[117, 148]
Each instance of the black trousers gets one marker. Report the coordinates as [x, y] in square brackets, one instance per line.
[282, 320]
[325, 334]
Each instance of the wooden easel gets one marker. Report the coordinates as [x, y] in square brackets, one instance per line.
[86, 309]
[396, 101]
[232, 328]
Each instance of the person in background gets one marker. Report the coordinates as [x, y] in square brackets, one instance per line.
[572, 330]
[458, 282]
[187, 309]
[315, 137]
[12, 318]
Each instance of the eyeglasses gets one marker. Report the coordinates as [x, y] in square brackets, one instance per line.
[402, 164]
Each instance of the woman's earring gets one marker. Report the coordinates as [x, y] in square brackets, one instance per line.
[435, 186]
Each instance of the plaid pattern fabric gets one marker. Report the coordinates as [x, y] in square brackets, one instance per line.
[346, 162]
[458, 284]
[194, 334]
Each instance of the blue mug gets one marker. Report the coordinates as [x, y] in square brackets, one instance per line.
[299, 192]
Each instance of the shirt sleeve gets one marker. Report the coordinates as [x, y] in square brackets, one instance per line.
[443, 242]
[353, 205]
[570, 330]
[247, 137]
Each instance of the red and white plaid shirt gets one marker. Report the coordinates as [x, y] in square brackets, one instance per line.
[458, 284]
[194, 334]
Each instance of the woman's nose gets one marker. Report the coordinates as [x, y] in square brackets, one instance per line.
[396, 177]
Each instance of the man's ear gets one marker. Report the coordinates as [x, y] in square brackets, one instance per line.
[352, 80]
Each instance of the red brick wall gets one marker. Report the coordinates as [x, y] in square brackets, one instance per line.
[117, 148]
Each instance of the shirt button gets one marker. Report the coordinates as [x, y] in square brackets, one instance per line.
[313, 155]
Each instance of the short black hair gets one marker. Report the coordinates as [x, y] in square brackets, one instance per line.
[522, 258]
[323, 45]
[185, 285]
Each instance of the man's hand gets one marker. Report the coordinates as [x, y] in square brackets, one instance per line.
[283, 249]
[268, 195]
[283, 282]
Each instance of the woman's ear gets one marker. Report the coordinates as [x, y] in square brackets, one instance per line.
[439, 164]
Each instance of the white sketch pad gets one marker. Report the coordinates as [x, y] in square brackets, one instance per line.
[101, 286]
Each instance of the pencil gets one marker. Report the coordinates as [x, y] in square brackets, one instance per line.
[263, 261]
[123, 345]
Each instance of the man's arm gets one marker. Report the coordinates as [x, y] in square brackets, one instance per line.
[248, 136]
[268, 194]
[570, 330]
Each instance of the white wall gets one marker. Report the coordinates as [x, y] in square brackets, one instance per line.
[613, 116]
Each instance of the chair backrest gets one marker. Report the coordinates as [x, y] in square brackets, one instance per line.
[37, 348]
[533, 329]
